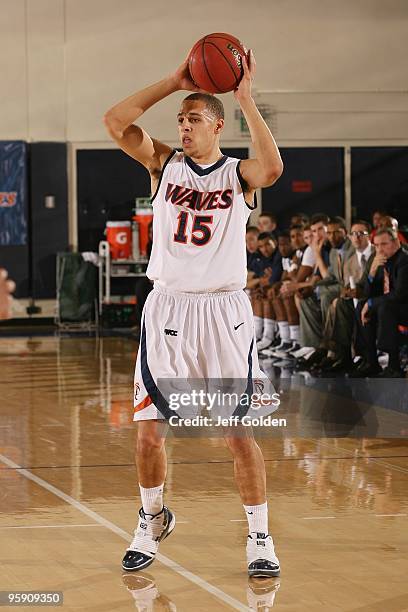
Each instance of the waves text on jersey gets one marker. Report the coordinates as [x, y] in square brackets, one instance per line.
[199, 200]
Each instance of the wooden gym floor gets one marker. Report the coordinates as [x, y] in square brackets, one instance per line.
[69, 500]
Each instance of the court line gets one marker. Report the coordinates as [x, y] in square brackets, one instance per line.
[176, 567]
[48, 526]
[391, 515]
[397, 468]
[316, 518]
[121, 465]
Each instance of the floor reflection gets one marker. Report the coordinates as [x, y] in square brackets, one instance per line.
[146, 595]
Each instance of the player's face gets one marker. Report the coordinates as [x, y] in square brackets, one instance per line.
[251, 242]
[376, 219]
[385, 246]
[336, 235]
[359, 236]
[296, 238]
[266, 247]
[307, 236]
[265, 224]
[285, 248]
[319, 231]
[198, 128]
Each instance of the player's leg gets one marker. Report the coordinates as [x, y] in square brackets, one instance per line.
[231, 354]
[156, 521]
[250, 477]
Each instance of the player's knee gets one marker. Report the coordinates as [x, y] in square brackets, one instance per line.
[240, 445]
[149, 438]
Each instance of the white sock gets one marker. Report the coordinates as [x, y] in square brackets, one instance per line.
[269, 329]
[152, 499]
[259, 325]
[257, 518]
[294, 332]
[284, 331]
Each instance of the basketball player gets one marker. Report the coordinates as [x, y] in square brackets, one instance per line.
[197, 321]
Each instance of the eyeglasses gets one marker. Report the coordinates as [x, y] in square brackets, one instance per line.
[358, 234]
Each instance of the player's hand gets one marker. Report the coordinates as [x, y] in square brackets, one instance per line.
[182, 78]
[365, 314]
[244, 89]
[347, 292]
[317, 245]
[288, 288]
[379, 260]
[6, 289]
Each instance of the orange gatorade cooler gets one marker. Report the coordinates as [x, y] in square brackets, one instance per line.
[118, 234]
[144, 217]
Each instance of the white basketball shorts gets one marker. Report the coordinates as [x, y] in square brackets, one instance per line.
[201, 336]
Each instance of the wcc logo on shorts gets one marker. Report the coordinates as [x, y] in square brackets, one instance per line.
[170, 332]
[137, 391]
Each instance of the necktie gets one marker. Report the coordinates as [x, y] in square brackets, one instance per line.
[386, 283]
[363, 262]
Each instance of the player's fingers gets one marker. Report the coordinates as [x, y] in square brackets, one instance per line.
[252, 62]
[11, 286]
[245, 66]
[3, 274]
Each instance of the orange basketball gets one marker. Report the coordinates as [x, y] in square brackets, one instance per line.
[215, 62]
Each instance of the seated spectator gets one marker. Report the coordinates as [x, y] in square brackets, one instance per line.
[307, 234]
[266, 271]
[376, 217]
[387, 221]
[297, 240]
[386, 307]
[251, 238]
[315, 307]
[7, 287]
[299, 218]
[267, 222]
[287, 315]
[340, 322]
[306, 277]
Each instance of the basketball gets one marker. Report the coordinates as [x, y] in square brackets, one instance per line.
[215, 62]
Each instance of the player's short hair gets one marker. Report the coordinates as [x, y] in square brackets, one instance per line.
[303, 216]
[266, 235]
[251, 229]
[214, 105]
[298, 226]
[338, 221]
[284, 234]
[366, 224]
[319, 218]
[387, 231]
[270, 216]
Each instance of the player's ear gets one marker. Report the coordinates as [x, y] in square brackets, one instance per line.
[219, 125]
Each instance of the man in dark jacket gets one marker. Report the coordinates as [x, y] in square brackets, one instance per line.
[387, 305]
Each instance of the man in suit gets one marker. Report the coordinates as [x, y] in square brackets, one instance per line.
[386, 289]
[339, 328]
[314, 310]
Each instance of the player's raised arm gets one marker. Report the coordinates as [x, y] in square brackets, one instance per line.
[132, 139]
[267, 166]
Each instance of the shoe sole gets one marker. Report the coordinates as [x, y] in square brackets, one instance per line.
[163, 536]
[264, 573]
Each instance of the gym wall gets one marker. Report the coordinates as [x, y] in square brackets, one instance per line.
[332, 70]
[333, 75]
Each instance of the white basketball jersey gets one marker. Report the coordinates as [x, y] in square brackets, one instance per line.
[199, 219]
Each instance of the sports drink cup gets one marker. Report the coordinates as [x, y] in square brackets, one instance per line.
[118, 234]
